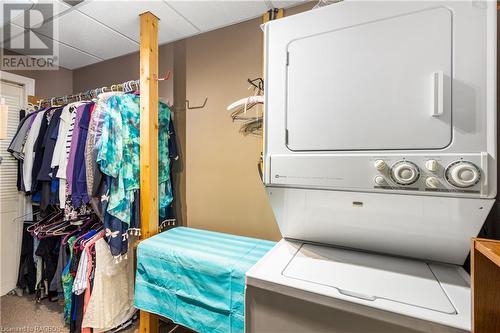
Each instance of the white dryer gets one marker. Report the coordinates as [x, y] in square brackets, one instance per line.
[380, 165]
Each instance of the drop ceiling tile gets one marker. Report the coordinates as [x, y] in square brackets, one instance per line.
[27, 4]
[71, 58]
[58, 7]
[68, 57]
[86, 34]
[209, 15]
[172, 25]
[16, 37]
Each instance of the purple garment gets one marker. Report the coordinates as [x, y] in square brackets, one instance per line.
[32, 119]
[72, 149]
[79, 193]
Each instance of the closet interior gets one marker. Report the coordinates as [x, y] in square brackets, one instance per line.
[247, 166]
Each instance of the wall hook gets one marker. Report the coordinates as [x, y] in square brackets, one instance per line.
[196, 107]
[165, 78]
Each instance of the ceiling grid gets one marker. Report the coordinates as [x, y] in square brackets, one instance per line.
[87, 33]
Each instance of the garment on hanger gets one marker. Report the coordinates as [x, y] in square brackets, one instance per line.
[27, 271]
[48, 185]
[80, 161]
[62, 148]
[111, 282]
[118, 153]
[28, 150]
[17, 143]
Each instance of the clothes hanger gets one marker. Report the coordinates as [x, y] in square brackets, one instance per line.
[47, 218]
[84, 236]
[61, 230]
[88, 242]
[250, 101]
[56, 219]
[77, 230]
[16, 219]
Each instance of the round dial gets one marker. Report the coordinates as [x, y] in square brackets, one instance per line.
[405, 173]
[462, 174]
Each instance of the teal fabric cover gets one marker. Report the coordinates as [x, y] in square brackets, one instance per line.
[196, 278]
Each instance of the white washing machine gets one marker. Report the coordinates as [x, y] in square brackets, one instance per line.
[380, 165]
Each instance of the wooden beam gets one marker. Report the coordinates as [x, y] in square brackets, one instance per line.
[149, 124]
[272, 14]
[149, 141]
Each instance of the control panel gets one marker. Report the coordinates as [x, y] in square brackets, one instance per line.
[431, 174]
[463, 175]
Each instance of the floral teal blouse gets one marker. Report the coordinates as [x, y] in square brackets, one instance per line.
[118, 153]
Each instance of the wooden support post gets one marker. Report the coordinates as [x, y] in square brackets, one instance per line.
[149, 141]
[272, 14]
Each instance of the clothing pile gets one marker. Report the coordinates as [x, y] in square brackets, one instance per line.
[80, 165]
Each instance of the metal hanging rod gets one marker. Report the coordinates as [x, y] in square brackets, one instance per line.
[90, 94]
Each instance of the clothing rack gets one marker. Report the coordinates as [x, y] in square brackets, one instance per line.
[90, 94]
[127, 86]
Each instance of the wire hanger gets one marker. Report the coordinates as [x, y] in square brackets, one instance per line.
[16, 219]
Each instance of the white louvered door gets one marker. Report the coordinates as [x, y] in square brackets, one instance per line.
[10, 199]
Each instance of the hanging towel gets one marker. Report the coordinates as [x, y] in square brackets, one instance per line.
[196, 278]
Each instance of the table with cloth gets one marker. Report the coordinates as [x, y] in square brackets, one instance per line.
[196, 278]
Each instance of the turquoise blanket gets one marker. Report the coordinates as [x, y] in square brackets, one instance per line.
[196, 278]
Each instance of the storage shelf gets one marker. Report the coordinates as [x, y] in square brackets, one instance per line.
[491, 249]
[485, 278]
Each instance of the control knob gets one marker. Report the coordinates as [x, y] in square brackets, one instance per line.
[405, 173]
[462, 174]
[431, 165]
[432, 182]
[379, 165]
[379, 180]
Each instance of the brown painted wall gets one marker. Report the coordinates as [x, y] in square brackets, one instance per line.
[121, 69]
[224, 192]
[50, 83]
[223, 188]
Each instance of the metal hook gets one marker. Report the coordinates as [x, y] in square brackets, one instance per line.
[196, 107]
[165, 78]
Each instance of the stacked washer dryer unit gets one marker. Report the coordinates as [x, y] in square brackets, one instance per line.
[380, 165]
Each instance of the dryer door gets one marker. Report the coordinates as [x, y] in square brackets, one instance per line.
[381, 85]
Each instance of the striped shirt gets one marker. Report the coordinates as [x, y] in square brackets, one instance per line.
[69, 135]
